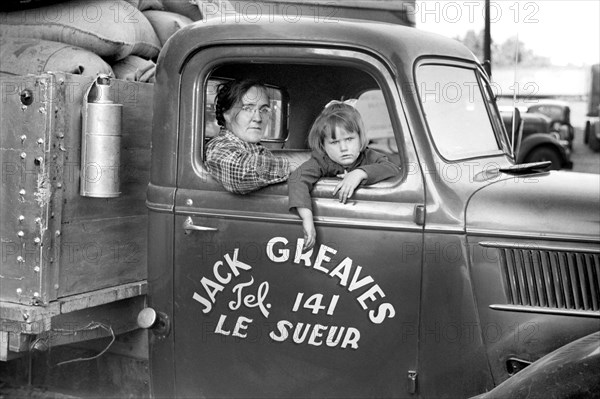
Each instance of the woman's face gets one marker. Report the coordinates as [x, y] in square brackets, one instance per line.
[345, 148]
[249, 118]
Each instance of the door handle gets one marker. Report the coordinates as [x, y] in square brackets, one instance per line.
[189, 226]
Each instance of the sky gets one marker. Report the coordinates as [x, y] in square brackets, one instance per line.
[566, 31]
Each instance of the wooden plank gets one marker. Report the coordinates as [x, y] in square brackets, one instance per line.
[102, 253]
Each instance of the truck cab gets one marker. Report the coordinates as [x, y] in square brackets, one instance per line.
[443, 281]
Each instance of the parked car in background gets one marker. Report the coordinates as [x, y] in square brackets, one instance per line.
[559, 113]
[538, 141]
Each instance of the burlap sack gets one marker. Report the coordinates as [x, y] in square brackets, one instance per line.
[112, 29]
[144, 5]
[166, 23]
[189, 8]
[135, 69]
[22, 56]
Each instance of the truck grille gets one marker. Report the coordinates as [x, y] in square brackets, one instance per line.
[552, 279]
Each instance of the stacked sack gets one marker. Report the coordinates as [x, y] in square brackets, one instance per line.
[88, 37]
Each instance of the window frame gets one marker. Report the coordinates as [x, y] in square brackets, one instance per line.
[497, 130]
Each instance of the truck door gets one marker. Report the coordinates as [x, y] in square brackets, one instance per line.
[254, 315]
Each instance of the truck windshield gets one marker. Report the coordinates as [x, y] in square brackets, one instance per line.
[456, 112]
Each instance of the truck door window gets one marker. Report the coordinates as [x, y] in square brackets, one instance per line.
[378, 125]
[275, 132]
[456, 112]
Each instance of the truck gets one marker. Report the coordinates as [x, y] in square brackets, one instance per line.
[591, 133]
[467, 274]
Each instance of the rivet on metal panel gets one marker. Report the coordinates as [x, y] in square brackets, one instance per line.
[57, 233]
[21, 233]
[42, 110]
[25, 316]
[19, 291]
[21, 218]
[59, 185]
[36, 294]
[37, 240]
[189, 202]
[40, 141]
[23, 155]
[60, 135]
[36, 269]
[39, 161]
[38, 220]
[22, 191]
[55, 286]
[23, 138]
[26, 97]
[20, 259]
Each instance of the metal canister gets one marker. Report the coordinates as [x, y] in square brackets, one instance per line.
[101, 143]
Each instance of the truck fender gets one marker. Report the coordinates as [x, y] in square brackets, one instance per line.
[537, 139]
[571, 371]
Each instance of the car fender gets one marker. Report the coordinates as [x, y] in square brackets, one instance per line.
[570, 371]
[534, 140]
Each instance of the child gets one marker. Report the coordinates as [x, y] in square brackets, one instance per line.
[339, 148]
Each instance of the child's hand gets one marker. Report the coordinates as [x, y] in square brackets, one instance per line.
[310, 234]
[308, 227]
[349, 182]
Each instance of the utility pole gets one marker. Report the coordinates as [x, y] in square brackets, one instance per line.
[487, 41]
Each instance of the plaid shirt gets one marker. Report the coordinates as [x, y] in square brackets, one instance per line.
[243, 167]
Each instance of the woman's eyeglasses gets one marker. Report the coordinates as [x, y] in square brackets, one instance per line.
[250, 110]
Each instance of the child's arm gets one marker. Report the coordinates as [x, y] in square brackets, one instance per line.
[378, 167]
[300, 185]
[308, 226]
[349, 182]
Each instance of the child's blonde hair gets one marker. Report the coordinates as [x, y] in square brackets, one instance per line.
[334, 115]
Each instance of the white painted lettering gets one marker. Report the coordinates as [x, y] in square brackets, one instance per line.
[316, 333]
[282, 326]
[207, 304]
[385, 310]
[219, 329]
[242, 324]
[370, 294]
[302, 256]
[342, 271]
[220, 279]
[355, 283]
[351, 338]
[235, 264]
[322, 256]
[282, 255]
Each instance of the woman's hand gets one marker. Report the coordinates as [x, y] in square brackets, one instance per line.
[308, 227]
[349, 182]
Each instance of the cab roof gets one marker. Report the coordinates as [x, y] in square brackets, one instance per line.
[400, 44]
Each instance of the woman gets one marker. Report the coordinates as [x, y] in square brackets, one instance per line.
[235, 157]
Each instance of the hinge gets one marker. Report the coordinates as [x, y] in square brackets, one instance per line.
[419, 215]
[411, 383]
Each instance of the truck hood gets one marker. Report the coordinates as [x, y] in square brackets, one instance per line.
[549, 205]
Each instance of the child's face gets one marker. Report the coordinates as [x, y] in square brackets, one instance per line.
[345, 148]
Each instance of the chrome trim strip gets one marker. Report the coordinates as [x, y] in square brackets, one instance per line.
[159, 207]
[323, 221]
[535, 247]
[537, 236]
[537, 309]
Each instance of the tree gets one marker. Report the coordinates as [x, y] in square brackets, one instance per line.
[503, 54]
